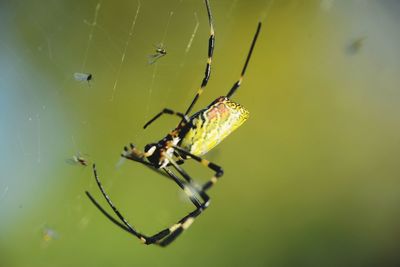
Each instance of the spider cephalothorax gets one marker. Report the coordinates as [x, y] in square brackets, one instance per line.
[159, 153]
[192, 138]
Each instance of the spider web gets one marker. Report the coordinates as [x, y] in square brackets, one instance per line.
[38, 125]
[53, 117]
[47, 118]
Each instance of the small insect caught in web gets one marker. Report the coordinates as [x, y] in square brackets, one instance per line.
[49, 234]
[356, 45]
[78, 159]
[83, 77]
[159, 53]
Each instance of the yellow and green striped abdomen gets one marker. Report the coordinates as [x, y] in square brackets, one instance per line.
[212, 125]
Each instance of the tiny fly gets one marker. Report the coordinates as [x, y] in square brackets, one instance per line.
[160, 52]
[83, 77]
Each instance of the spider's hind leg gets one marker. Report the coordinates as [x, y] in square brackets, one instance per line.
[218, 170]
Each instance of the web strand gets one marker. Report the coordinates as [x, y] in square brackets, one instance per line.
[90, 38]
[153, 76]
[124, 52]
[267, 11]
[39, 141]
[189, 45]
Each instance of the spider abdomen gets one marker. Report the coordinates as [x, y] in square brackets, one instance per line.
[208, 127]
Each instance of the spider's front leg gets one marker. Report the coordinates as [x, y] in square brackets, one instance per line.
[184, 118]
[164, 237]
[138, 156]
[133, 153]
[126, 226]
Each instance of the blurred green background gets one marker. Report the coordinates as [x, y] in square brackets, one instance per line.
[312, 179]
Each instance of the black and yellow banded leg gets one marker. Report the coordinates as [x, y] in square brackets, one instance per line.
[186, 221]
[142, 237]
[138, 156]
[133, 153]
[218, 170]
[207, 72]
[111, 218]
[180, 159]
[184, 118]
[183, 224]
[187, 188]
[145, 163]
[178, 228]
[239, 82]
[163, 237]
[116, 211]
[166, 236]
[191, 182]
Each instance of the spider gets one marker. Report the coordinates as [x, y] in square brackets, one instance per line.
[193, 137]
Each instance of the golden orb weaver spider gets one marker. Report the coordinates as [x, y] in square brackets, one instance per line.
[193, 137]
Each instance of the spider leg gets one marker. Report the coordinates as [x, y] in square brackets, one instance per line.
[191, 182]
[178, 228]
[180, 159]
[116, 211]
[133, 153]
[129, 156]
[237, 84]
[211, 42]
[169, 233]
[183, 224]
[167, 111]
[144, 239]
[136, 155]
[111, 218]
[218, 170]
